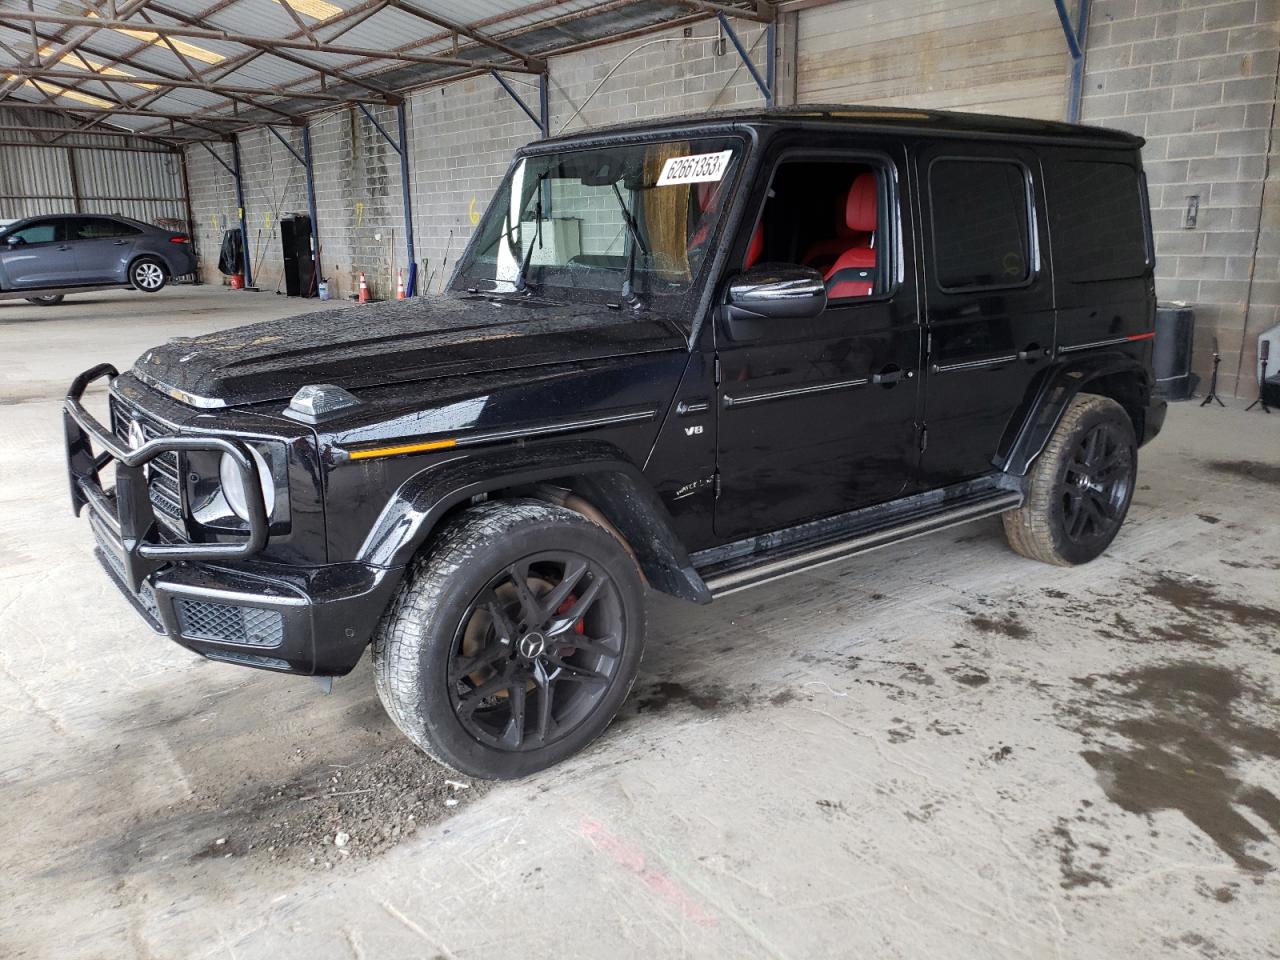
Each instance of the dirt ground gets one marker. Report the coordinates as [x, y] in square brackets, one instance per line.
[936, 750]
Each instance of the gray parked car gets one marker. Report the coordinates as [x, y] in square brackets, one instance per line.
[60, 252]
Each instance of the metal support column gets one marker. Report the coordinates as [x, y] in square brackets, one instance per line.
[406, 188]
[316, 275]
[186, 206]
[232, 168]
[1077, 42]
[544, 109]
[304, 158]
[771, 38]
[400, 145]
[74, 173]
[244, 223]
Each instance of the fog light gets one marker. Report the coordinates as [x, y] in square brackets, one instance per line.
[233, 489]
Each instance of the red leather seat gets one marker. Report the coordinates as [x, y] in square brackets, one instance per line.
[708, 196]
[755, 249]
[854, 272]
[823, 254]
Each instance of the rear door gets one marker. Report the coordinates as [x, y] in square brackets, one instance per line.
[818, 417]
[989, 300]
[38, 255]
[103, 247]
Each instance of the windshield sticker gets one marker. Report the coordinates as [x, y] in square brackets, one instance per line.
[698, 168]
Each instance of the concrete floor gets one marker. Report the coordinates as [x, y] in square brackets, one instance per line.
[938, 750]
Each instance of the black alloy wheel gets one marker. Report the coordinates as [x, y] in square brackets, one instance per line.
[513, 640]
[1079, 488]
[1096, 484]
[537, 651]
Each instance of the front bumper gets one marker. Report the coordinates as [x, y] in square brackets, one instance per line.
[214, 598]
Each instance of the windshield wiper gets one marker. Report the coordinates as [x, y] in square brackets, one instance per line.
[628, 282]
[537, 214]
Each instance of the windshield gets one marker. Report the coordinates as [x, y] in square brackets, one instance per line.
[627, 221]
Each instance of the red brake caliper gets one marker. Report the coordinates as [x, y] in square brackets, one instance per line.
[579, 628]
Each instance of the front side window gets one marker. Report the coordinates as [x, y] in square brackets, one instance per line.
[633, 220]
[981, 224]
[827, 215]
[42, 231]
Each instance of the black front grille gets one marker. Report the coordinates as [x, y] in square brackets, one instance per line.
[164, 473]
[229, 623]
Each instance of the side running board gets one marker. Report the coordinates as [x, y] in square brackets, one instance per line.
[725, 576]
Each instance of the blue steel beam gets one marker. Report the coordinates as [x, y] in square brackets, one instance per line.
[400, 146]
[403, 150]
[374, 120]
[311, 209]
[766, 87]
[542, 121]
[1077, 39]
[244, 222]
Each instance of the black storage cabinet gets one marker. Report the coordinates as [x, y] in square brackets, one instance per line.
[1171, 357]
[299, 265]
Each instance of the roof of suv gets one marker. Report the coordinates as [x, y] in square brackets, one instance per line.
[939, 123]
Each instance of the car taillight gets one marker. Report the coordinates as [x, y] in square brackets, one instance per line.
[180, 238]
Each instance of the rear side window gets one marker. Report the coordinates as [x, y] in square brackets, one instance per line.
[981, 223]
[1099, 228]
[93, 229]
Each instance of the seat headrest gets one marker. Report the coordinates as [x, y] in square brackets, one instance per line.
[860, 208]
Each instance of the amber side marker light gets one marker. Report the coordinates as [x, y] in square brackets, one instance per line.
[403, 448]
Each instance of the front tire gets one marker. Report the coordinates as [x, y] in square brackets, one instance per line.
[513, 641]
[1080, 487]
[148, 275]
[52, 300]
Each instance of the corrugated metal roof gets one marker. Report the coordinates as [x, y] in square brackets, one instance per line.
[536, 28]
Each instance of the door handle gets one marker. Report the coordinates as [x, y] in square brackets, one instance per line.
[1032, 352]
[891, 375]
[64, 247]
[119, 243]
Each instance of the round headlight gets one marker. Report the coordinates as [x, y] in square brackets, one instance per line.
[233, 490]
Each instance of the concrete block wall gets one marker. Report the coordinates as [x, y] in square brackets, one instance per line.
[358, 201]
[1198, 80]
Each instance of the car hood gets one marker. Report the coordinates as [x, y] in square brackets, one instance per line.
[396, 342]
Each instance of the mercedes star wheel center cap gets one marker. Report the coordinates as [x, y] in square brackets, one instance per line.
[532, 645]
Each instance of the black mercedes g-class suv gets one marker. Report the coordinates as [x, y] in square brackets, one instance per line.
[699, 354]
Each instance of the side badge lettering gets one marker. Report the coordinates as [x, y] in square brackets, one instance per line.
[693, 431]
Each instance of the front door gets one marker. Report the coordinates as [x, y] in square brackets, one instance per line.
[37, 255]
[989, 295]
[818, 417]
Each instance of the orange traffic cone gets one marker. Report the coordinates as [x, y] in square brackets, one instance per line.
[364, 291]
[399, 284]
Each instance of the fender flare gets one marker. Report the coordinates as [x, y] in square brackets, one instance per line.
[1035, 421]
[597, 471]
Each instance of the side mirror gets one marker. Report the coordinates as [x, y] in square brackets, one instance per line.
[14, 241]
[771, 292]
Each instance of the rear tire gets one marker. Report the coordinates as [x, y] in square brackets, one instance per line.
[49, 301]
[1080, 487]
[148, 274]
[513, 641]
